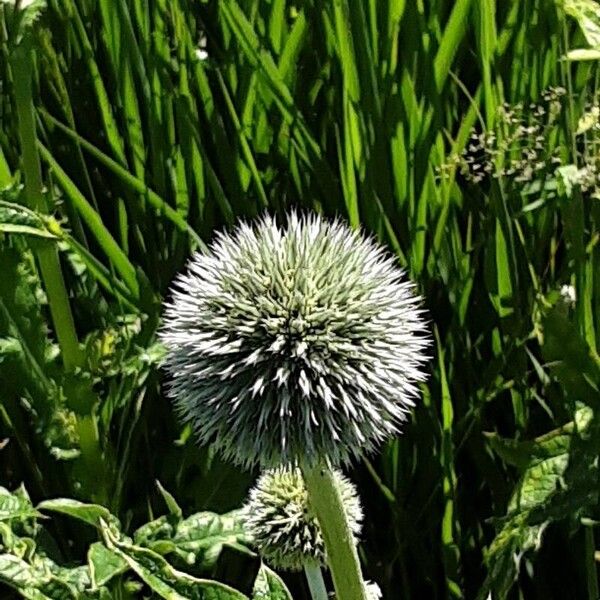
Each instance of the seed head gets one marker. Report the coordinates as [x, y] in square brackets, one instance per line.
[294, 344]
[280, 521]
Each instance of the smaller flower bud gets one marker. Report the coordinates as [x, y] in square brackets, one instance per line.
[279, 520]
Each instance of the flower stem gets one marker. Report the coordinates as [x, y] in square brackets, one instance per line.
[342, 557]
[50, 268]
[47, 255]
[318, 591]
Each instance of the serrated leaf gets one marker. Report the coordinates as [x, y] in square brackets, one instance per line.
[544, 462]
[13, 506]
[162, 578]
[10, 348]
[29, 367]
[43, 579]
[522, 454]
[269, 586]
[30, 10]
[19, 575]
[197, 540]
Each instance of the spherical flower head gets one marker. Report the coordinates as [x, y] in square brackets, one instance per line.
[280, 521]
[296, 344]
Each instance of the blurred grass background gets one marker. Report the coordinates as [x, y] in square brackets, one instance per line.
[161, 122]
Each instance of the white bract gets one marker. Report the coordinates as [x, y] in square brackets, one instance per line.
[279, 520]
[294, 344]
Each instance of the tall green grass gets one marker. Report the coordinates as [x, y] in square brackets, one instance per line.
[146, 148]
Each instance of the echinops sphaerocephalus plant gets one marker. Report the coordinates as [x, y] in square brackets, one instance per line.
[298, 344]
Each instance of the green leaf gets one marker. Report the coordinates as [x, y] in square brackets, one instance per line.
[453, 34]
[92, 514]
[197, 540]
[174, 508]
[104, 564]
[18, 574]
[587, 15]
[269, 586]
[504, 300]
[15, 506]
[581, 54]
[43, 579]
[162, 578]
[571, 360]
[29, 12]
[129, 181]
[103, 236]
[523, 454]
[544, 463]
[17, 219]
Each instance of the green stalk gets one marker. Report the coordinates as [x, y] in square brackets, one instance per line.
[342, 557]
[318, 591]
[590, 564]
[47, 254]
[48, 260]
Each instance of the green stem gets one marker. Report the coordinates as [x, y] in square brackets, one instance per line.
[47, 254]
[591, 569]
[342, 556]
[318, 591]
[48, 260]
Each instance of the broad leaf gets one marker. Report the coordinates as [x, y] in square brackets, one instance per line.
[104, 564]
[269, 586]
[15, 506]
[197, 540]
[162, 578]
[541, 495]
[88, 513]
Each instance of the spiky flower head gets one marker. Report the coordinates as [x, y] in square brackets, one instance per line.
[294, 344]
[280, 521]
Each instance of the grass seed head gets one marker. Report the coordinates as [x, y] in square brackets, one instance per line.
[294, 344]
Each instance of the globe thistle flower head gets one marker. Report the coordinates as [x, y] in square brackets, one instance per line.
[280, 521]
[294, 344]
